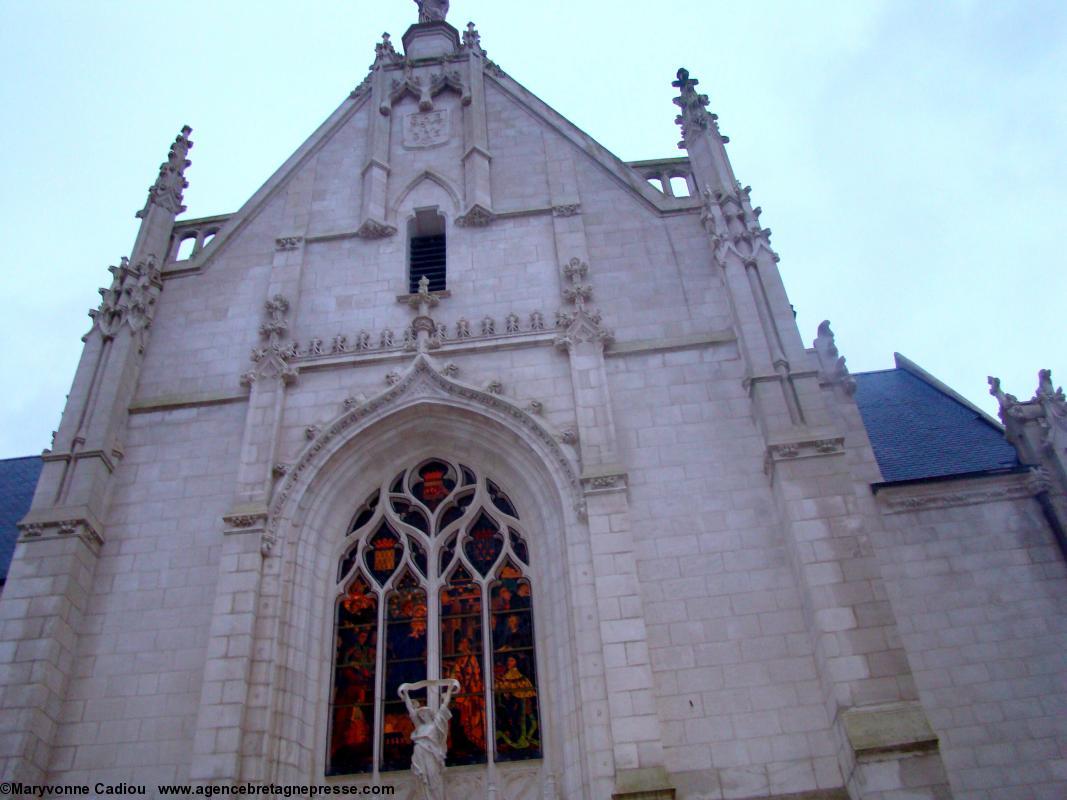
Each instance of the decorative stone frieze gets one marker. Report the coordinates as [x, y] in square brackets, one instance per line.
[809, 448]
[607, 478]
[488, 326]
[373, 229]
[39, 529]
[272, 361]
[130, 300]
[922, 497]
[476, 217]
[567, 210]
[287, 243]
[167, 192]
[339, 344]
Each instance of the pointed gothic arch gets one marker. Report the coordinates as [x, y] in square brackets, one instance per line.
[433, 177]
[421, 416]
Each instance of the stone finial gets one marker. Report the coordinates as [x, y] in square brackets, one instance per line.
[832, 367]
[432, 10]
[694, 106]
[384, 52]
[168, 190]
[272, 361]
[472, 40]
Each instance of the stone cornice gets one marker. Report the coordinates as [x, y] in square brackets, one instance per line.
[814, 445]
[62, 523]
[920, 496]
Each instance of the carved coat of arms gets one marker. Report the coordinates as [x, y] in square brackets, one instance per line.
[426, 129]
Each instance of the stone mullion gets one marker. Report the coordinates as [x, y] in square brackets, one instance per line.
[45, 598]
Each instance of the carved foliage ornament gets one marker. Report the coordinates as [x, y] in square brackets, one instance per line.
[583, 324]
[272, 361]
[130, 300]
[734, 226]
[169, 187]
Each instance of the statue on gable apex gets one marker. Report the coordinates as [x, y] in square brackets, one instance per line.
[432, 10]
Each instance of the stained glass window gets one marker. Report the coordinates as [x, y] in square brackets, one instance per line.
[433, 582]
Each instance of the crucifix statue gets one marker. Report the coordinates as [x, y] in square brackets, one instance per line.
[432, 10]
[430, 736]
[425, 328]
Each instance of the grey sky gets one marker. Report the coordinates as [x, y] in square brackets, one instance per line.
[909, 156]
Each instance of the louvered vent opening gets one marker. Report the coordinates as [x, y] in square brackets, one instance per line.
[428, 258]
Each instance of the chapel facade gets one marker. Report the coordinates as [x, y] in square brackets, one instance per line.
[459, 394]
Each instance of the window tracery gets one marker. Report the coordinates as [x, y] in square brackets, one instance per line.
[433, 582]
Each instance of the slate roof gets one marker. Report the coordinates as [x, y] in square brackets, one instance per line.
[919, 428]
[18, 479]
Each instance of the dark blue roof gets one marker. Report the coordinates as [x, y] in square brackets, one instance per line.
[18, 479]
[920, 428]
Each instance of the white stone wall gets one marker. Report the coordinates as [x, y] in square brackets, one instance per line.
[980, 595]
[135, 686]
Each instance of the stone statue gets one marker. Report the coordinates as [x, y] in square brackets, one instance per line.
[430, 737]
[432, 10]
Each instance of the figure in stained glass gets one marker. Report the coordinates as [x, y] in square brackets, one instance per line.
[461, 658]
[383, 640]
[351, 746]
[405, 662]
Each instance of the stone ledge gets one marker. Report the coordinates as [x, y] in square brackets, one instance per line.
[648, 783]
[888, 729]
[675, 343]
[169, 402]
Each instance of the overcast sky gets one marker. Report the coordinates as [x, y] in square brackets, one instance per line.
[909, 156]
